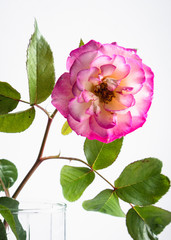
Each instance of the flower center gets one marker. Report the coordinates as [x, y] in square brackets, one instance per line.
[104, 94]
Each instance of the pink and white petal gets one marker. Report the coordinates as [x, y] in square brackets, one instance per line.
[123, 126]
[107, 69]
[75, 90]
[135, 78]
[82, 128]
[138, 121]
[126, 52]
[78, 110]
[105, 119]
[114, 105]
[88, 96]
[126, 100]
[144, 97]
[81, 63]
[62, 94]
[143, 102]
[84, 76]
[108, 49]
[122, 69]
[90, 46]
[149, 75]
[101, 60]
[94, 108]
[97, 129]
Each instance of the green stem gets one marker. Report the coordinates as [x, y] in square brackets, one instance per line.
[39, 159]
[78, 160]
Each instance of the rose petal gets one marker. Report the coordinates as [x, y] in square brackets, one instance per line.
[78, 110]
[101, 60]
[82, 128]
[143, 99]
[123, 126]
[105, 119]
[111, 49]
[114, 105]
[62, 94]
[135, 78]
[122, 69]
[90, 46]
[84, 76]
[94, 108]
[82, 63]
[107, 69]
[100, 131]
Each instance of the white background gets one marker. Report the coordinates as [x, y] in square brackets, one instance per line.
[141, 24]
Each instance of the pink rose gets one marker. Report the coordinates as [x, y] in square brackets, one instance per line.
[107, 92]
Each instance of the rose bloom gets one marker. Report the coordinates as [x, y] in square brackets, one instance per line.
[106, 92]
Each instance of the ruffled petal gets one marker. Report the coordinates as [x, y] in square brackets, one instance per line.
[62, 94]
[135, 78]
[84, 76]
[114, 105]
[78, 110]
[111, 49]
[126, 100]
[96, 128]
[83, 128]
[105, 119]
[83, 62]
[123, 126]
[101, 60]
[143, 100]
[122, 69]
[107, 70]
[90, 46]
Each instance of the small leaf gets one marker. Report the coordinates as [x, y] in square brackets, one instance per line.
[66, 129]
[156, 218]
[8, 98]
[101, 155]
[141, 183]
[81, 43]
[40, 68]
[137, 228]
[105, 202]
[12, 206]
[17, 122]
[8, 173]
[3, 235]
[74, 181]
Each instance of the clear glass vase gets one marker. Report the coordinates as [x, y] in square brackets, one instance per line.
[41, 221]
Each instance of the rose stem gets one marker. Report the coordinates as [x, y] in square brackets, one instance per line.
[39, 160]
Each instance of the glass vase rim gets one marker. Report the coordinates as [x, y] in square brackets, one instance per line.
[39, 206]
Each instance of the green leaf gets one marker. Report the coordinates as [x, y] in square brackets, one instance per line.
[12, 207]
[75, 180]
[8, 98]
[156, 218]
[137, 228]
[105, 202]
[3, 235]
[8, 173]
[66, 129]
[81, 43]
[144, 223]
[141, 183]
[7, 215]
[101, 155]
[17, 122]
[40, 68]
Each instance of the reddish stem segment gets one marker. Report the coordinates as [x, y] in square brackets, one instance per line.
[39, 160]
